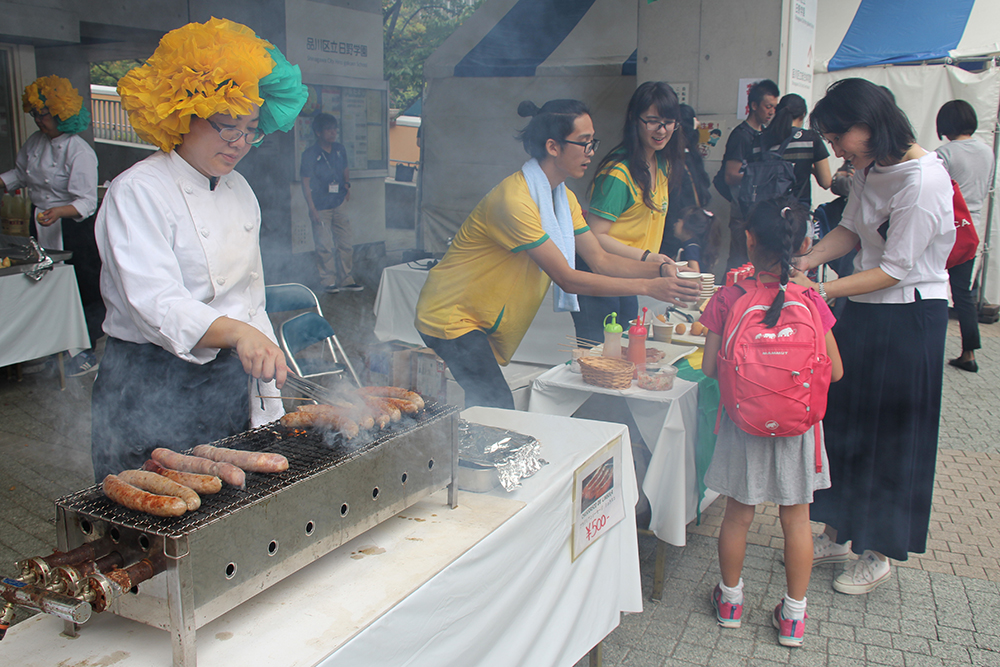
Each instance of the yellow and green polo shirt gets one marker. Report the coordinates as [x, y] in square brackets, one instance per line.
[486, 280]
[618, 198]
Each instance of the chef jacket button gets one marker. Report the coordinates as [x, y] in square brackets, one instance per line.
[221, 281]
[254, 275]
[252, 312]
[187, 189]
[248, 226]
[204, 233]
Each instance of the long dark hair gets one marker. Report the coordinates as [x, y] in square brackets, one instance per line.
[779, 227]
[790, 108]
[851, 102]
[554, 120]
[631, 149]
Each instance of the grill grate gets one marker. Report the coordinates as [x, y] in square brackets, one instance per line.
[308, 452]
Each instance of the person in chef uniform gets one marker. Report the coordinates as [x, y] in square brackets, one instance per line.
[59, 170]
[189, 341]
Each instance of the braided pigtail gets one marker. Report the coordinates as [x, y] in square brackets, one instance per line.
[779, 226]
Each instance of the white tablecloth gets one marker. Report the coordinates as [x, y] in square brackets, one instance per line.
[40, 318]
[668, 423]
[396, 304]
[514, 598]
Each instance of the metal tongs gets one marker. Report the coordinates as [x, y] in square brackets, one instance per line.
[681, 313]
[42, 261]
[316, 392]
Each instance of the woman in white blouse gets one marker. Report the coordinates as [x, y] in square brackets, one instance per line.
[882, 420]
[179, 235]
[59, 170]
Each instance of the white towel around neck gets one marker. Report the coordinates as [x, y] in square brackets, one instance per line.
[557, 222]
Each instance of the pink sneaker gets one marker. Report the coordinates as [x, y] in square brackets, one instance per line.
[790, 632]
[728, 615]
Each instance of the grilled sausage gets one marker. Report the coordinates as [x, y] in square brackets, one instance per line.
[203, 485]
[136, 499]
[355, 412]
[403, 405]
[395, 392]
[161, 486]
[249, 461]
[326, 417]
[378, 405]
[227, 472]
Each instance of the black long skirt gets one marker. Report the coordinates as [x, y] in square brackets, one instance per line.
[881, 426]
[145, 397]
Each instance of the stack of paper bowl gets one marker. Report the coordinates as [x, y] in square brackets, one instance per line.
[707, 285]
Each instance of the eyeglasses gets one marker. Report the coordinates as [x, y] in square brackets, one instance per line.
[589, 147]
[231, 135]
[655, 124]
[38, 115]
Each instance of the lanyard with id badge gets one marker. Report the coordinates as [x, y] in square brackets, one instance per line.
[334, 187]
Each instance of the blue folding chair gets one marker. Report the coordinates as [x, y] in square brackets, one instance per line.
[305, 331]
[290, 296]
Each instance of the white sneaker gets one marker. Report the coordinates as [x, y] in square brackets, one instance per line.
[826, 550]
[863, 575]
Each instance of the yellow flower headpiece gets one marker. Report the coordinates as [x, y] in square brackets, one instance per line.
[201, 69]
[55, 93]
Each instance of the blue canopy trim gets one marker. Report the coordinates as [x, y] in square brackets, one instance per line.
[901, 31]
[524, 38]
[630, 66]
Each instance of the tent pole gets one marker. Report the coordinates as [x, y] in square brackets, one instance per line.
[983, 268]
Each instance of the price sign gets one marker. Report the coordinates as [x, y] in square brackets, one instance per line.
[597, 496]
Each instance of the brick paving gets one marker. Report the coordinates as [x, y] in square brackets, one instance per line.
[939, 609]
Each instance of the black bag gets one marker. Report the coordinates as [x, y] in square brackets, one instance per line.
[720, 183]
[768, 177]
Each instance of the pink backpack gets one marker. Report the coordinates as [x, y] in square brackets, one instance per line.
[774, 381]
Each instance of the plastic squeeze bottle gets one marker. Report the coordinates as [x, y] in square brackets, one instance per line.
[637, 335]
[612, 337]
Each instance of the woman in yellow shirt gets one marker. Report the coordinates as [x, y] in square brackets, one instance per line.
[628, 201]
[479, 301]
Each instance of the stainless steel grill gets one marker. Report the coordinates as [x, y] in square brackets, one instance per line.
[242, 541]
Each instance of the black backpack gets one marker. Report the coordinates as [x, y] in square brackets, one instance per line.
[767, 177]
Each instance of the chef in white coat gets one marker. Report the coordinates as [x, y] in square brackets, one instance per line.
[59, 170]
[179, 236]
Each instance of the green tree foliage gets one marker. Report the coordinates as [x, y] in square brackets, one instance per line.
[108, 72]
[412, 30]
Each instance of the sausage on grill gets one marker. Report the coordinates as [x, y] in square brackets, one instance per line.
[395, 392]
[134, 498]
[161, 486]
[227, 472]
[203, 485]
[356, 413]
[249, 461]
[379, 405]
[326, 417]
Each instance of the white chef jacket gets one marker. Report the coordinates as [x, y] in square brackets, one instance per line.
[57, 172]
[916, 198]
[177, 256]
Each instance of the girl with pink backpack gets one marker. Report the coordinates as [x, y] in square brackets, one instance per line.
[771, 347]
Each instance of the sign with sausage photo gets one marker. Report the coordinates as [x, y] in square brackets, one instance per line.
[597, 496]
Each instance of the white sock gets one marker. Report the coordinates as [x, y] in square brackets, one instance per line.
[793, 610]
[732, 595]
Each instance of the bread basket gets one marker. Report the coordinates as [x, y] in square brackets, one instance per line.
[606, 372]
